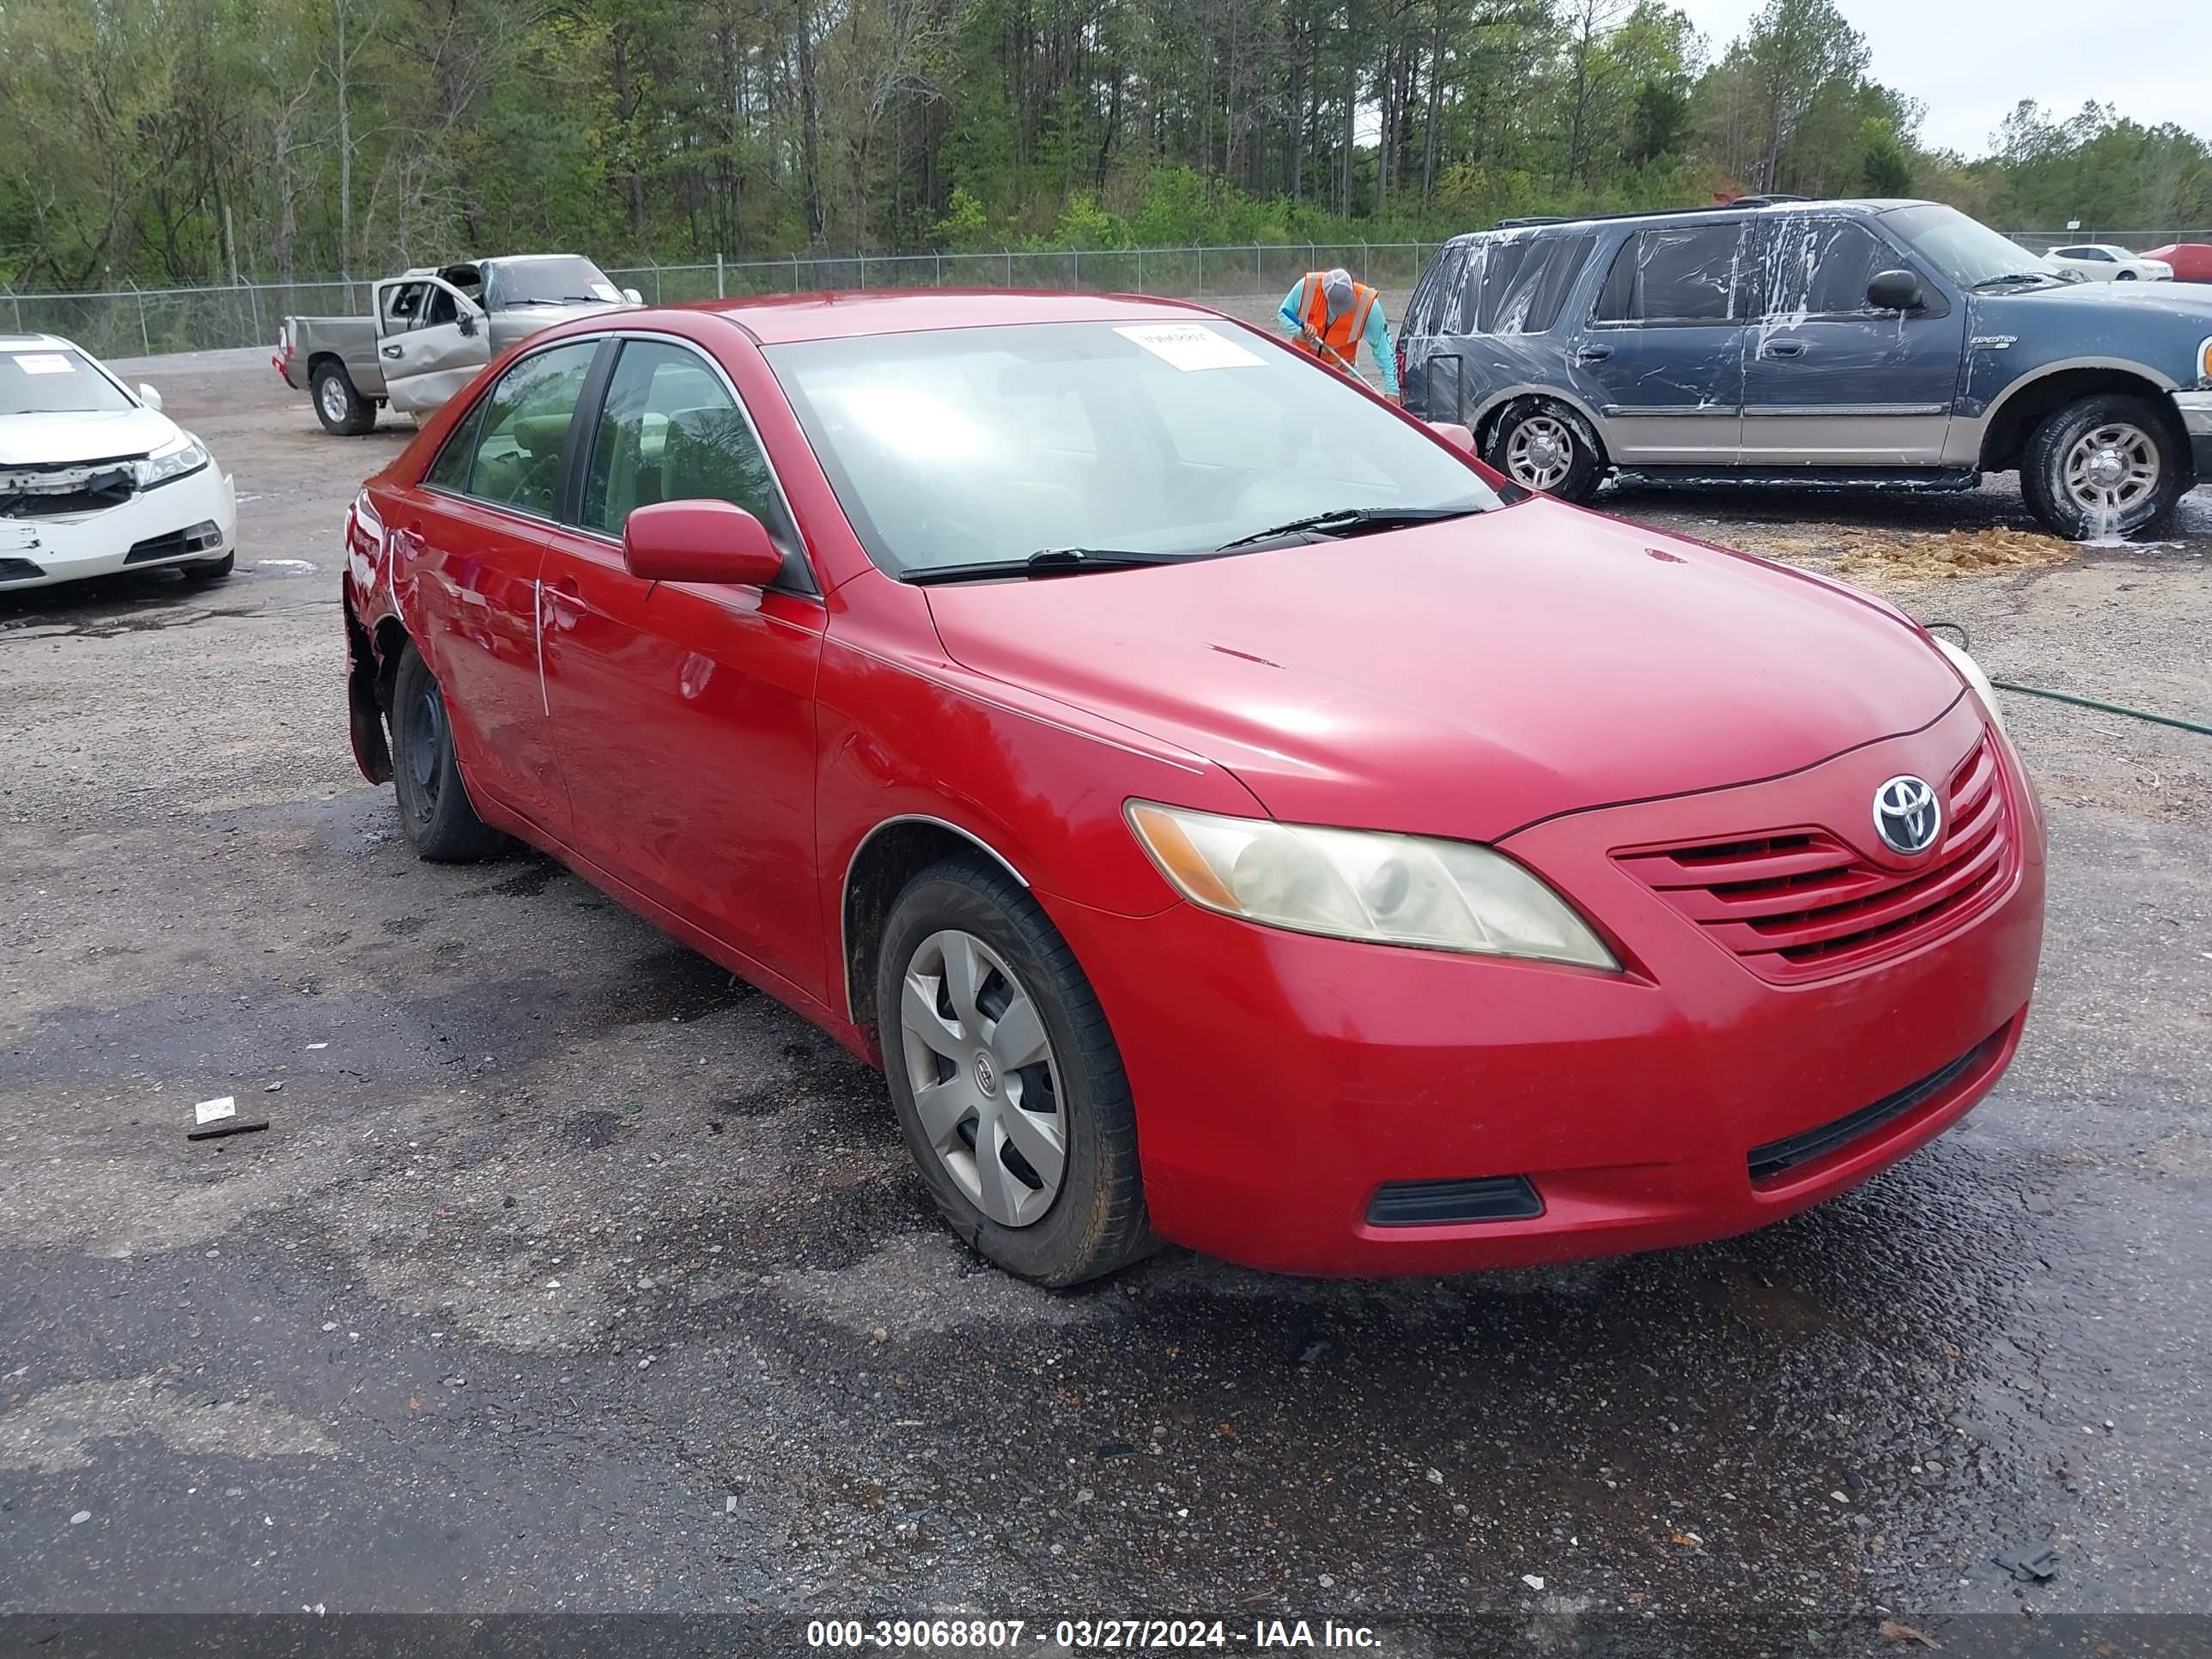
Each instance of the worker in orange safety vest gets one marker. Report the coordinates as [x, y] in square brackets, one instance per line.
[1327, 313]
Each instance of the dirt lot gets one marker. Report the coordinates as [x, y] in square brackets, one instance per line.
[571, 1275]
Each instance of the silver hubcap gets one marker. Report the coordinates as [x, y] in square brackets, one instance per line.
[2112, 469]
[1540, 451]
[334, 400]
[985, 1087]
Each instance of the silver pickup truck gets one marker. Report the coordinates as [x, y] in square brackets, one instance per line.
[431, 331]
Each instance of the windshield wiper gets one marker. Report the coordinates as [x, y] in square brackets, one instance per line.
[1048, 561]
[2019, 277]
[1351, 521]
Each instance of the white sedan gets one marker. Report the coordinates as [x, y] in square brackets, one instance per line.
[94, 478]
[2101, 262]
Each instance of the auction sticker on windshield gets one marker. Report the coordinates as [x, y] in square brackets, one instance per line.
[48, 362]
[1189, 346]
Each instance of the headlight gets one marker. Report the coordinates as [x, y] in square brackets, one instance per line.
[1364, 884]
[174, 461]
[1972, 671]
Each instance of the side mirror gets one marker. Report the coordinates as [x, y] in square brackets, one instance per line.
[699, 541]
[1896, 290]
[633, 296]
[466, 322]
[148, 397]
[1455, 434]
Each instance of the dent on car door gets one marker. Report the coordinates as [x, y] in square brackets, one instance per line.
[470, 543]
[439, 354]
[1828, 380]
[1663, 351]
[684, 711]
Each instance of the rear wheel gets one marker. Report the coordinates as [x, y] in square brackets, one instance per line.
[1006, 1079]
[341, 409]
[434, 810]
[1545, 446]
[2102, 466]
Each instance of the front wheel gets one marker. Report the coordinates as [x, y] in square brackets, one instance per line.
[2124, 276]
[1006, 1079]
[2102, 467]
[214, 570]
[1545, 446]
[440, 820]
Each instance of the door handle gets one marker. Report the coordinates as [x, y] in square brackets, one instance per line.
[1782, 348]
[392, 351]
[1593, 354]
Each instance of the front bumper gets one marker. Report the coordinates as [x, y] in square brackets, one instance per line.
[1281, 1081]
[2196, 408]
[144, 533]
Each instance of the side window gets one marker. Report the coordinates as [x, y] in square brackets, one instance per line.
[403, 305]
[1426, 313]
[451, 470]
[1687, 276]
[1822, 267]
[438, 308]
[1464, 303]
[1528, 282]
[669, 431]
[516, 460]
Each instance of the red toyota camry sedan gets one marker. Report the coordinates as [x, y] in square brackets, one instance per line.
[1227, 812]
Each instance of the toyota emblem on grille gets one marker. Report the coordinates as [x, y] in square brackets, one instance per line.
[1906, 816]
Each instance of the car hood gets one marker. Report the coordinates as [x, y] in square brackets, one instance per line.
[2124, 303]
[100, 436]
[1468, 678]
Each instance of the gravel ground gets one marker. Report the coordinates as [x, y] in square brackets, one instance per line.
[571, 1274]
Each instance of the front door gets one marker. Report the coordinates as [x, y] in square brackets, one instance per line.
[431, 341]
[1829, 381]
[1662, 356]
[476, 545]
[684, 711]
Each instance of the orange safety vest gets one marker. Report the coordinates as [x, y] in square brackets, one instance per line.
[1343, 335]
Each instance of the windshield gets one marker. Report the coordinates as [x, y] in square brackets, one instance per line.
[54, 380]
[1966, 250]
[565, 281]
[988, 445]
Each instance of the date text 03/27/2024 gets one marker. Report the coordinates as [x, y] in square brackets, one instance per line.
[1084, 1635]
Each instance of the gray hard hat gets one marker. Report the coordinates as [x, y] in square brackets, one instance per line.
[1336, 288]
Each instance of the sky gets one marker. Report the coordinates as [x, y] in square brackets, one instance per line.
[1970, 61]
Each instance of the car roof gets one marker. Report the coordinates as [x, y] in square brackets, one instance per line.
[23, 341]
[1759, 205]
[783, 319]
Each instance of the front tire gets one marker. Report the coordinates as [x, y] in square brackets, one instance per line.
[214, 570]
[2124, 276]
[440, 820]
[2102, 466]
[1543, 444]
[1005, 1079]
[342, 411]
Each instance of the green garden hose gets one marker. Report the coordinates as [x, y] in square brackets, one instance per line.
[2102, 707]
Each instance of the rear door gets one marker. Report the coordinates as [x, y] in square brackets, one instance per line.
[1663, 350]
[685, 710]
[473, 537]
[1829, 381]
[433, 342]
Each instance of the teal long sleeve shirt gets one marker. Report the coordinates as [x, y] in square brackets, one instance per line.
[1293, 318]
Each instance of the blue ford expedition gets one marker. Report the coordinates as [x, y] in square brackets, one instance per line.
[1882, 344]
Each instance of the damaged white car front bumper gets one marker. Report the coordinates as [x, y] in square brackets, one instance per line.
[64, 524]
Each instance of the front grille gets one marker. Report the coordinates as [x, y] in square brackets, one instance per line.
[1800, 904]
[1778, 1157]
[1441, 1203]
[176, 543]
[16, 571]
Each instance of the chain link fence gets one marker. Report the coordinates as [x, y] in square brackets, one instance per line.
[131, 322]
